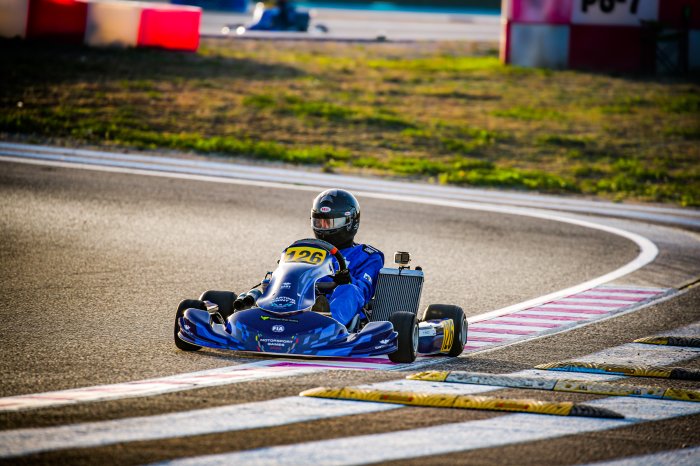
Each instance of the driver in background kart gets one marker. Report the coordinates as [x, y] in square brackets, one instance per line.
[284, 13]
[335, 218]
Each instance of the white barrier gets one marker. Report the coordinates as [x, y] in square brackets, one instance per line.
[113, 24]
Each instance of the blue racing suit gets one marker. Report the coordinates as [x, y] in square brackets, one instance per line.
[364, 263]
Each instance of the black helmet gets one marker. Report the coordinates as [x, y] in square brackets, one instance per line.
[335, 217]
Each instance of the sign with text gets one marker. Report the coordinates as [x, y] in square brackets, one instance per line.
[615, 12]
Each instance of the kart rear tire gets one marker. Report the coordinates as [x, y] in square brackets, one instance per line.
[406, 325]
[223, 299]
[184, 305]
[448, 311]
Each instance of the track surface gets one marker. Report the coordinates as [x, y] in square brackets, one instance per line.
[93, 265]
[369, 25]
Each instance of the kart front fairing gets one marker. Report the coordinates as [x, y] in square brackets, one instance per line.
[305, 333]
[283, 323]
[292, 286]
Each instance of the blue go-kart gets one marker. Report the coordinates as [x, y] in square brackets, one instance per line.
[276, 316]
[271, 19]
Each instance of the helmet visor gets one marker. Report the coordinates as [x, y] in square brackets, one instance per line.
[328, 223]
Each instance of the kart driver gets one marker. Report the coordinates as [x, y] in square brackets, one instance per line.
[284, 12]
[335, 218]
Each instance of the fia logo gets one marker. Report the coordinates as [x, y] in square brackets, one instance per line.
[278, 328]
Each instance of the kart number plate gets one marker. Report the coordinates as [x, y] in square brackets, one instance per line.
[307, 255]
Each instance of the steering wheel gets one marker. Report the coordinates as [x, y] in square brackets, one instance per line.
[332, 250]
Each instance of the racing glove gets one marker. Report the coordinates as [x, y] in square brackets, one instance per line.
[342, 277]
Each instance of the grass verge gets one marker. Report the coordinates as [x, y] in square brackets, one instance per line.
[448, 112]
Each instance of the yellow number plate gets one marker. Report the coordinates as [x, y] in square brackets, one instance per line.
[305, 254]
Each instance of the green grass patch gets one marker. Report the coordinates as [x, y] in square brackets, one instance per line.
[435, 111]
[562, 140]
[682, 104]
[528, 114]
[440, 64]
[624, 106]
[510, 177]
[691, 134]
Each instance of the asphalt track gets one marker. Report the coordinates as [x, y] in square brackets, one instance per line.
[94, 263]
[357, 25]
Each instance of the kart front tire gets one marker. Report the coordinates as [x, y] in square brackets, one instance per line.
[448, 311]
[184, 305]
[223, 299]
[406, 325]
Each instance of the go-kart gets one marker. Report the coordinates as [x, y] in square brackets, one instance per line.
[270, 19]
[276, 316]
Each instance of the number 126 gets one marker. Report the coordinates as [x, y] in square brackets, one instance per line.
[607, 6]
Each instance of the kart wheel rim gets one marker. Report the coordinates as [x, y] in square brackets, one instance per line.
[415, 338]
[463, 332]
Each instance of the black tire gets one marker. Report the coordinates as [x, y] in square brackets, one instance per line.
[406, 324]
[223, 299]
[184, 305]
[448, 311]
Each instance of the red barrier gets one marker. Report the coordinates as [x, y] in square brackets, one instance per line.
[170, 28]
[671, 13]
[62, 20]
[612, 48]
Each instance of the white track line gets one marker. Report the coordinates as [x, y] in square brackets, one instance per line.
[274, 412]
[450, 438]
[684, 457]
[641, 354]
[174, 168]
[157, 386]
[277, 412]
[266, 173]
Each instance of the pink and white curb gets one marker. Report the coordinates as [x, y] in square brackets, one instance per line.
[557, 315]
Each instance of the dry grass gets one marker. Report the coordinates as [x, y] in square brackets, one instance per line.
[445, 111]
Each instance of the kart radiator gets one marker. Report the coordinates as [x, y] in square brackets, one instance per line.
[397, 290]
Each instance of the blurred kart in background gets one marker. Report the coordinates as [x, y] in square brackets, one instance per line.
[275, 20]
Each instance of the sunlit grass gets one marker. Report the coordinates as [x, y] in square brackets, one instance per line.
[446, 112]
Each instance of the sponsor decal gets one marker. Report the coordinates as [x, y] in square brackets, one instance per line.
[347, 214]
[285, 286]
[369, 249]
[276, 341]
[367, 277]
[385, 342]
[325, 209]
[283, 301]
[278, 328]
[280, 319]
[427, 332]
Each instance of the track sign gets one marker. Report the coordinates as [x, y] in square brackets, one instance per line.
[615, 12]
